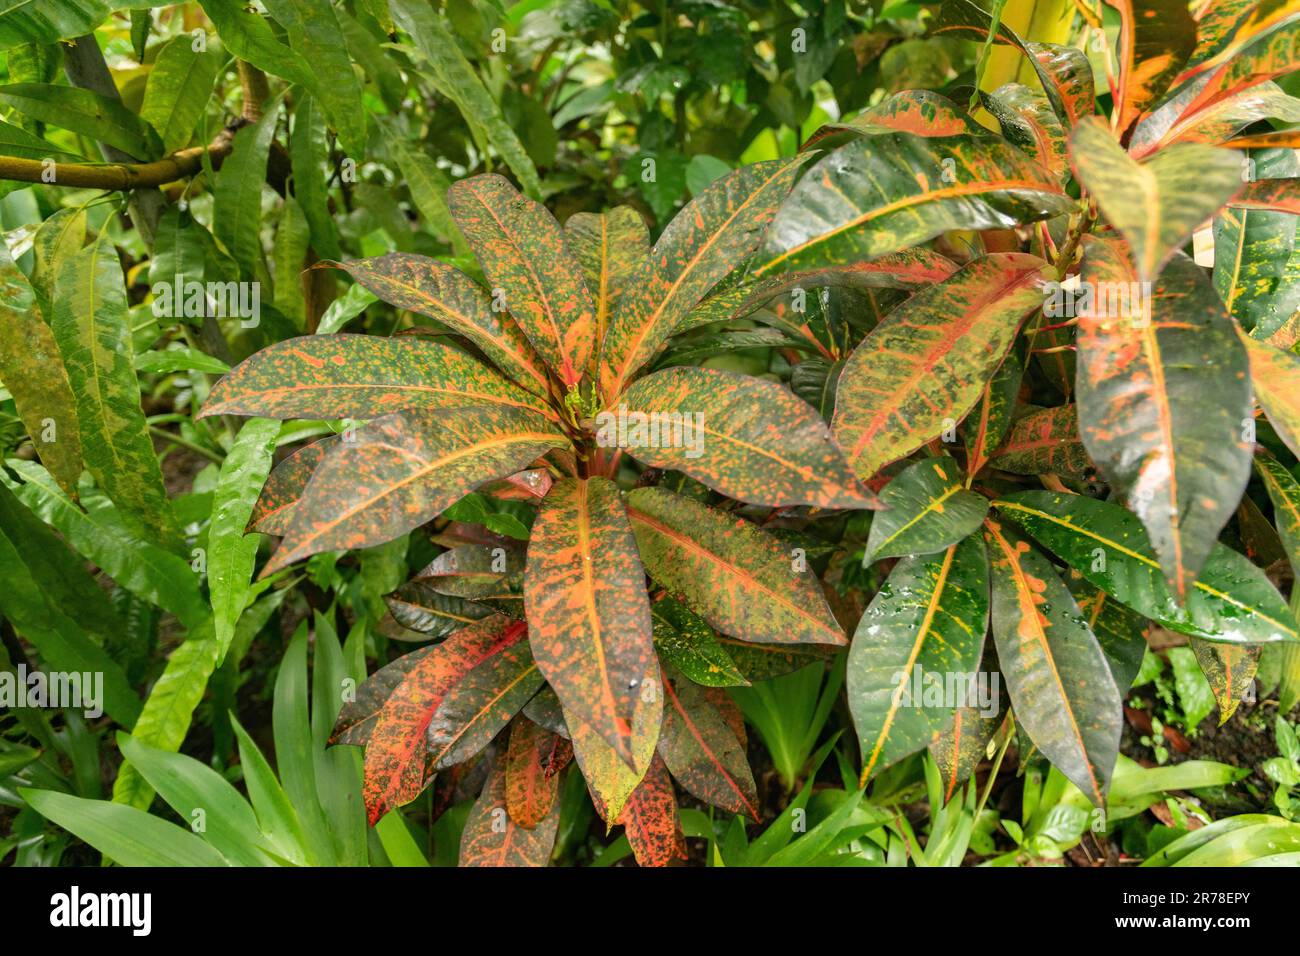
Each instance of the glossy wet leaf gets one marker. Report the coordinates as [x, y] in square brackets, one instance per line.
[418, 606]
[926, 509]
[1027, 119]
[702, 752]
[1045, 442]
[1119, 630]
[1156, 37]
[686, 641]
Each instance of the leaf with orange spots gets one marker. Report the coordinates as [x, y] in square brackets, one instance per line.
[750, 439]
[397, 760]
[650, 819]
[359, 376]
[610, 247]
[492, 838]
[1061, 687]
[924, 627]
[925, 366]
[909, 111]
[609, 779]
[533, 763]
[586, 602]
[357, 717]
[1275, 376]
[702, 752]
[744, 582]
[885, 193]
[435, 289]
[1045, 442]
[1164, 402]
[273, 512]
[405, 468]
[926, 509]
[475, 571]
[524, 256]
[1279, 195]
[1229, 669]
[960, 747]
[1156, 38]
[986, 426]
[1026, 119]
[703, 243]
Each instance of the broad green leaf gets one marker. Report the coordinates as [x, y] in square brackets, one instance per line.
[248, 36]
[34, 21]
[1156, 37]
[685, 641]
[1247, 839]
[1061, 687]
[428, 185]
[588, 613]
[418, 606]
[128, 836]
[1275, 377]
[435, 289]
[1256, 262]
[92, 328]
[925, 510]
[742, 581]
[180, 84]
[651, 821]
[31, 368]
[361, 376]
[308, 152]
[403, 469]
[534, 759]
[925, 366]
[526, 259]
[922, 633]
[81, 111]
[1045, 442]
[294, 755]
[704, 242]
[1164, 405]
[492, 838]
[232, 553]
[610, 247]
[750, 439]
[237, 195]
[1027, 119]
[702, 752]
[1155, 205]
[886, 193]
[1231, 601]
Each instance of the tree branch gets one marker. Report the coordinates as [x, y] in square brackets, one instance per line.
[119, 176]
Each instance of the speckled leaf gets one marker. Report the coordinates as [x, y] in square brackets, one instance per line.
[357, 718]
[435, 289]
[1256, 263]
[960, 747]
[404, 468]
[1045, 442]
[1284, 492]
[92, 329]
[397, 752]
[492, 838]
[359, 376]
[1156, 37]
[1163, 403]
[418, 606]
[1275, 377]
[686, 641]
[909, 111]
[739, 579]
[926, 509]
[926, 365]
[609, 779]
[474, 570]
[585, 598]
[984, 429]
[1280, 195]
[1231, 601]
[1027, 119]
[273, 512]
[1120, 631]
[1229, 669]
[1060, 684]
[1272, 55]
[925, 624]
[765, 661]
[650, 819]
[533, 763]
[524, 256]
[702, 752]
[885, 193]
[713, 234]
[750, 439]
[1155, 205]
[31, 368]
[480, 704]
[610, 247]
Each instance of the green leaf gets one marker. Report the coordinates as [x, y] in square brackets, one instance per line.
[1060, 684]
[81, 111]
[923, 631]
[237, 196]
[1231, 601]
[428, 185]
[685, 641]
[249, 37]
[295, 757]
[308, 152]
[180, 84]
[33, 21]
[925, 510]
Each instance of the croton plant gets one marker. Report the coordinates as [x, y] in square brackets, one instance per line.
[1026, 409]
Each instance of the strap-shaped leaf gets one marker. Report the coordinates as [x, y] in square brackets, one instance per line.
[1155, 205]
[357, 718]
[418, 606]
[1045, 442]
[1060, 684]
[473, 570]
[398, 748]
[533, 763]
[585, 597]
[610, 247]
[925, 366]
[492, 838]
[1275, 377]
[739, 579]
[1231, 601]
[885, 193]
[703, 243]
[524, 256]
[751, 439]
[922, 633]
[1156, 37]
[404, 468]
[1164, 403]
[702, 752]
[85, 112]
[273, 512]
[651, 821]
[441, 292]
[360, 376]
[925, 509]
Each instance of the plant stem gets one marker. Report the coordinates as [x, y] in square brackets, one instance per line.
[183, 442]
[997, 765]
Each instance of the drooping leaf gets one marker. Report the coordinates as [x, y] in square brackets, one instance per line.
[404, 468]
[1060, 684]
[741, 580]
[180, 84]
[1271, 55]
[702, 752]
[609, 779]
[1027, 119]
[357, 718]
[1163, 406]
[926, 509]
[420, 607]
[1231, 601]
[1230, 670]
[237, 195]
[651, 821]
[492, 838]
[533, 764]
[84, 112]
[909, 111]
[960, 747]
[925, 366]
[273, 511]
[1120, 630]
